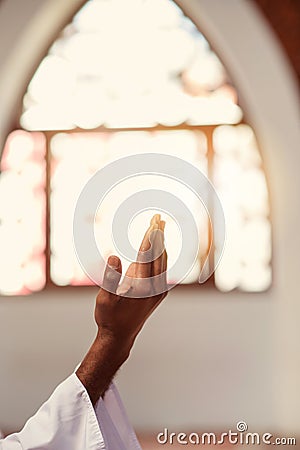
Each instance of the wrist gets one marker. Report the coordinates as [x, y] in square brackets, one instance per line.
[101, 363]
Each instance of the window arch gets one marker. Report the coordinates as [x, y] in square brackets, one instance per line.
[164, 90]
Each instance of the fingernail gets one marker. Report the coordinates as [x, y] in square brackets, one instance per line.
[113, 262]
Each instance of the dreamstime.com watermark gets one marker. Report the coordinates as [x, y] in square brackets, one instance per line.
[239, 436]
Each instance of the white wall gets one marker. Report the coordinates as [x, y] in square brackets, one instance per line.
[201, 360]
[205, 359]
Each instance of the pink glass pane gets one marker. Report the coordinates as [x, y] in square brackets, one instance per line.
[22, 213]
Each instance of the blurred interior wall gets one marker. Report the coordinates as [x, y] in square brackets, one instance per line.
[284, 17]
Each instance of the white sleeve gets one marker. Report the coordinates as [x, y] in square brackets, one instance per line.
[117, 431]
[68, 421]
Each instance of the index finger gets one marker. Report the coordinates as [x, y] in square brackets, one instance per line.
[144, 257]
[159, 266]
[143, 261]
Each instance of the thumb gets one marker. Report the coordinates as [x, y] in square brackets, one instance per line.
[112, 274]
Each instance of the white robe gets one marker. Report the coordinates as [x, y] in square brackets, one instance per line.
[68, 421]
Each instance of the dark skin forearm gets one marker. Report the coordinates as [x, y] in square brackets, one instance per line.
[120, 318]
[101, 363]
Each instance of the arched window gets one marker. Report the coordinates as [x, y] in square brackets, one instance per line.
[122, 78]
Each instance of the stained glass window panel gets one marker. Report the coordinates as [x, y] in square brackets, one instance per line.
[70, 162]
[240, 182]
[23, 213]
